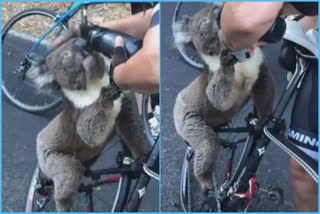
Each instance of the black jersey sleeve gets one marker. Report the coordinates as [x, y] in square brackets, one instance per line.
[306, 8]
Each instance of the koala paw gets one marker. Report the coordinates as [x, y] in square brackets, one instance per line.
[111, 92]
[227, 58]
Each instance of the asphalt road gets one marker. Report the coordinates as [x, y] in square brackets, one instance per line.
[175, 75]
[19, 131]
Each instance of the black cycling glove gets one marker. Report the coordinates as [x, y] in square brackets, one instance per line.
[119, 56]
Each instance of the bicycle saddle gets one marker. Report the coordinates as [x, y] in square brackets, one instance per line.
[296, 34]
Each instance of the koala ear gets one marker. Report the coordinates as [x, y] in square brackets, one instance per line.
[182, 31]
[43, 80]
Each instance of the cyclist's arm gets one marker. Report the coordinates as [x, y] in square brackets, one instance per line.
[135, 25]
[244, 23]
[141, 72]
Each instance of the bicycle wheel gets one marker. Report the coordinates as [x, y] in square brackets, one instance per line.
[188, 53]
[18, 37]
[41, 195]
[190, 189]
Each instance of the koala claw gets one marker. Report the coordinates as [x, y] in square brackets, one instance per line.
[111, 92]
[227, 58]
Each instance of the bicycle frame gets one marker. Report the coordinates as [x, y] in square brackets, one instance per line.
[273, 124]
[255, 146]
[135, 196]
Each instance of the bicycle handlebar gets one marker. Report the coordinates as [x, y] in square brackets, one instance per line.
[103, 40]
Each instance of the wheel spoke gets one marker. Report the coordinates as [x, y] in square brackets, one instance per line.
[17, 41]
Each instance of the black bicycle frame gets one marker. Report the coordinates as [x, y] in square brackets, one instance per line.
[259, 140]
[143, 181]
[132, 202]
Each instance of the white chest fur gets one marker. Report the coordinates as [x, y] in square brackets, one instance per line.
[83, 98]
[247, 70]
[213, 62]
[96, 134]
[246, 73]
[244, 77]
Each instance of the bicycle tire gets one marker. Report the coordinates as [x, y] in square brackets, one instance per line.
[189, 186]
[181, 49]
[6, 88]
[34, 198]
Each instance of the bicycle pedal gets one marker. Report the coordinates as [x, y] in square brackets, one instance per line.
[209, 201]
[40, 203]
[212, 203]
[274, 194]
[44, 191]
[44, 187]
[204, 207]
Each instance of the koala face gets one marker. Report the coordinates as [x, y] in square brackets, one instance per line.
[70, 66]
[205, 31]
[202, 31]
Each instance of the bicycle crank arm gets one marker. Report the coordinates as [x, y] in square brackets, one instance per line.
[273, 194]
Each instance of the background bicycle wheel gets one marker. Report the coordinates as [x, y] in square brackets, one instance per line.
[19, 128]
[175, 75]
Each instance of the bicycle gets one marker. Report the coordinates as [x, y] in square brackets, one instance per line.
[127, 197]
[15, 85]
[237, 187]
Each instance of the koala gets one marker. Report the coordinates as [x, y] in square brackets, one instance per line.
[218, 93]
[93, 114]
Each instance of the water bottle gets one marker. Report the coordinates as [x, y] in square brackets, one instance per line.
[102, 40]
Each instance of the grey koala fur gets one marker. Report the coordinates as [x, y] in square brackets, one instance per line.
[94, 113]
[218, 93]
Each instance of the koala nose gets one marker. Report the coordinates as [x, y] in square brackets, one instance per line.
[83, 45]
[211, 52]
